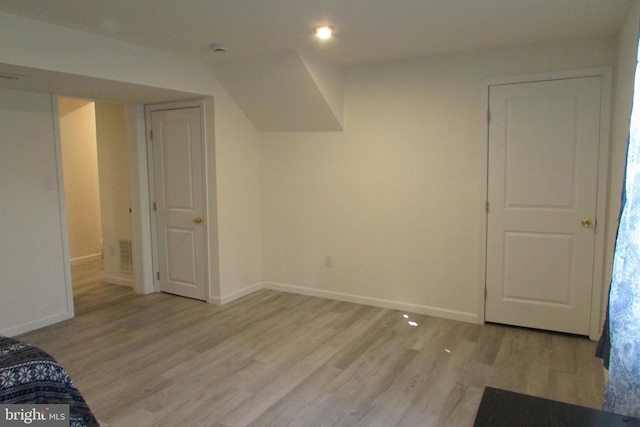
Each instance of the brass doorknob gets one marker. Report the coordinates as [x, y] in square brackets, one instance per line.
[197, 220]
[586, 222]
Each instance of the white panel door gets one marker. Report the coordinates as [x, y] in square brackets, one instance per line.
[179, 201]
[542, 188]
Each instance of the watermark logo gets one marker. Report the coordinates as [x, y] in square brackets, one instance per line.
[34, 415]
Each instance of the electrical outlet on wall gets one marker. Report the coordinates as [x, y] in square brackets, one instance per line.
[328, 261]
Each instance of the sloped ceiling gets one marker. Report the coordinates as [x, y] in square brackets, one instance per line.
[281, 76]
[283, 92]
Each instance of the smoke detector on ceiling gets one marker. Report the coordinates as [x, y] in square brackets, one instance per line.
[218, 47]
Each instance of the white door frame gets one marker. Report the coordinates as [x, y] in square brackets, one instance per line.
[141, 191]
[138, 176]
[140, 201]
[597, 296]
[151, 189]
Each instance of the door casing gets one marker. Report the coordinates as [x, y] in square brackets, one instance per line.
[150, 167]
[597, 296]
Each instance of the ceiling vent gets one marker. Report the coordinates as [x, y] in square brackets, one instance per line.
[8, 76]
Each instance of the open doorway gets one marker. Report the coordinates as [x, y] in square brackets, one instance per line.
[95, 150]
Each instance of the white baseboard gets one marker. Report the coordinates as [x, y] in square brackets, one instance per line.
[357, 299]
[87, 259]
[235, 295]
[119, 280]
[394, 305]
[35, 324]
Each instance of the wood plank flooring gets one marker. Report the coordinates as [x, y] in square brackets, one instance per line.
[278, 359]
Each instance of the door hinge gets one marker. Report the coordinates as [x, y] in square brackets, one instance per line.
[151, 135]
[487, 206]
[158, 275]
[154, 206]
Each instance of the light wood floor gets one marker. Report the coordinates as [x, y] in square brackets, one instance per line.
[278, 359]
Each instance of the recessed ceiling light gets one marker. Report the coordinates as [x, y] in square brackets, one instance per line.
[324, 31]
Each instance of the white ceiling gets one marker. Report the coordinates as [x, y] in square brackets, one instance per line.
[366, 30]
[273, 68]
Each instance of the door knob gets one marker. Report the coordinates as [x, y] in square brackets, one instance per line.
[586, 222]
[197, 220]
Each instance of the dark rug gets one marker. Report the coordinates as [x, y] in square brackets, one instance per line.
[502, 408]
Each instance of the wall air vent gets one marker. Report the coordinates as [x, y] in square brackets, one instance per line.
[126, 257]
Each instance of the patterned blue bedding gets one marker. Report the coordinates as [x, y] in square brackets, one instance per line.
[30, 375]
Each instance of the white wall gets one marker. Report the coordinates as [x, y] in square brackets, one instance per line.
[81, 188]
[236, 256]
[35, 285]
[234, 157]
[397, 199]
[115, 200]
